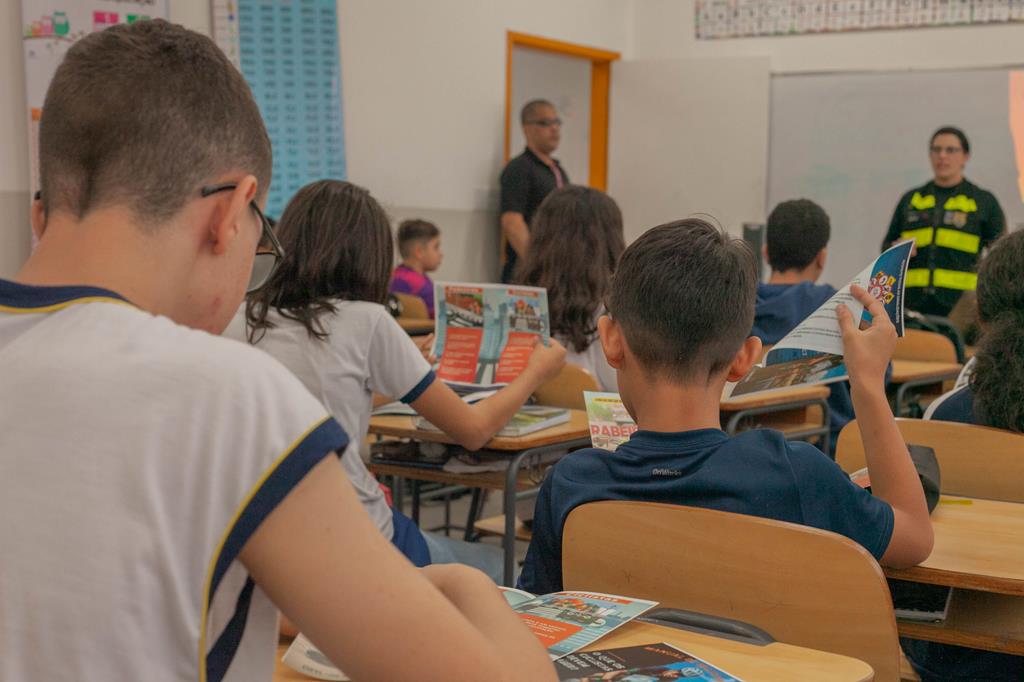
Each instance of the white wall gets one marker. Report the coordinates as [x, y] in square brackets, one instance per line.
[424, 103]
[665, 29]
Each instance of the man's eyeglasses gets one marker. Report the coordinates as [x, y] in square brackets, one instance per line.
[936, 150]
[546, 122]
[269, 253]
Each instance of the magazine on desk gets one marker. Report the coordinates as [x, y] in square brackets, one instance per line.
[527, 419]
[646, 663]
[813, 352]
[484, 333]
[610, 423]
[565, 622]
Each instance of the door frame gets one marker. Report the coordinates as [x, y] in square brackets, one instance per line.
[600, 86]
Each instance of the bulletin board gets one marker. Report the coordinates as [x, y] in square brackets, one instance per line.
[49, 28]
[717, 19]
[288, 52]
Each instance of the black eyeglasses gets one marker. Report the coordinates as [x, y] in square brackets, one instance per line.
[950, 151]
[546, 122]
[266, 261]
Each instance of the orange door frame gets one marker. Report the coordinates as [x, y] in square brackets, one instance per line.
[600, 83]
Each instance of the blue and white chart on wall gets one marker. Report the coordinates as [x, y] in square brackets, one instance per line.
[288, 52]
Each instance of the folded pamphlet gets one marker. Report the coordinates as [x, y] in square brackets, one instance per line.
[484, 333]
[813, 352]
[565, 622]
[646, 663]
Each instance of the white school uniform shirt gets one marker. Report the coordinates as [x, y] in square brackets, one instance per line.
[592, 359]
[366, 352]
[137, 457]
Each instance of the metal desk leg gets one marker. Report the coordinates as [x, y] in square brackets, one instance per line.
[416, 502]
[474, 515]
[732, 426]
[508, 542]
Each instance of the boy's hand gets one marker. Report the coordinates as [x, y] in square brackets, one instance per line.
[867, 352]
[546, 360]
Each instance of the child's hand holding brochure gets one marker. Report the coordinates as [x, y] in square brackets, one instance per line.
[813, 352]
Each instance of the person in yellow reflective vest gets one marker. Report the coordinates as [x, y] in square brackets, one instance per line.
[951, 220]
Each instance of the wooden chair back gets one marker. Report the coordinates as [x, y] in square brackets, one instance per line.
[802, 585]
[921, 345]
[413, 307]
[974, 461]
[566, 389]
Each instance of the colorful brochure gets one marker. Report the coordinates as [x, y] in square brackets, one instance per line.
[648, 663]
[610, 423]
[565, 622]
[813, 352]
[485, 333]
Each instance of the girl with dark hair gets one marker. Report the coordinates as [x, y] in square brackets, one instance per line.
[575, 243]
[990, 392]
[321, 314]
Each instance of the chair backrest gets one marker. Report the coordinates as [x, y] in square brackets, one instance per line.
[566, 389]
[974, 461]
[802, 585]
[917, 344]
[412, 307]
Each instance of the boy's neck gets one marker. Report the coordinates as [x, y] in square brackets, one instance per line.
[413, 265]
[793, 276]
[670, 407]
[106, 250]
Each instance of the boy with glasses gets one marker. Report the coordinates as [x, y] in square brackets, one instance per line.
[165, 491]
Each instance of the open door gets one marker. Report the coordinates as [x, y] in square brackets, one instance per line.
[689, 137]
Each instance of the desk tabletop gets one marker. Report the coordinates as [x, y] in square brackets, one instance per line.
[771, 663]
[415, 325]
[789, 395]
[979, 545]
[912, 370]
[402, 427]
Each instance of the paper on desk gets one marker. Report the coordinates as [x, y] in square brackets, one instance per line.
[303, 656]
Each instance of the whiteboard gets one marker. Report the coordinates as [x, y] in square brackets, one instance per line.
[854, 143]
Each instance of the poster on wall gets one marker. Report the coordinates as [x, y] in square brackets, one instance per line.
[752, 18]
[49, 28]
[288, 52]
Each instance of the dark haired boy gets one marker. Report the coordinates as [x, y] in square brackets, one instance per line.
[796, 247]
[419, 244]
[163, 490]
[681, 306]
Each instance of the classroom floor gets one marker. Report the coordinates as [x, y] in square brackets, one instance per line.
[432, 516]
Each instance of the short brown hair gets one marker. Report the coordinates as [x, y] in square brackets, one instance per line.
[412, 232]
[684, 296]
[142, 115]
[338, 246]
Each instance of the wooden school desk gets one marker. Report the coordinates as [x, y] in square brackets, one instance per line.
[908, 374]
[523, 472]
[415, 326]
[775, 662]
[787, 410]
[979, 551]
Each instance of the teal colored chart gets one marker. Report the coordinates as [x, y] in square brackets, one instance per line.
[288, 52]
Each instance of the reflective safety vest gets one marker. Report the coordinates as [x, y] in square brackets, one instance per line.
[950, 226]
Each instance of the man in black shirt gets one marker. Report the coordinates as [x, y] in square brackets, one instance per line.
[528, 178]
[951, 220]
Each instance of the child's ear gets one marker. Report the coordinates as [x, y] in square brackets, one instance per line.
[820, 259]
[232, 216]
[612, 341]
[747, 356]
[38, 218]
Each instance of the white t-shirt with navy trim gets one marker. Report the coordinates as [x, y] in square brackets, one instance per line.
[366, 352]
[138, 456]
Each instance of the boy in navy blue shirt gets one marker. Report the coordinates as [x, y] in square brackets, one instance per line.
[796, 241]
[681, 305]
